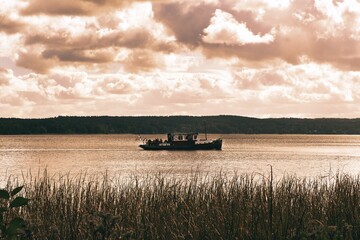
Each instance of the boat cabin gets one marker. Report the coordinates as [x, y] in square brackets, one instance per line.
[182, 137]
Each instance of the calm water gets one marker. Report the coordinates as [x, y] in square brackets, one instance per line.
[303, 155]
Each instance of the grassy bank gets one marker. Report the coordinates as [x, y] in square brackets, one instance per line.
[216, 207]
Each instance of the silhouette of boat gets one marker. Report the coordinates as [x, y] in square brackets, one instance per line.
[182, 141]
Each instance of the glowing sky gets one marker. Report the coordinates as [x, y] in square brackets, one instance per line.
[275, 58]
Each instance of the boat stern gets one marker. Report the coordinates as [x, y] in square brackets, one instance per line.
[217, 144]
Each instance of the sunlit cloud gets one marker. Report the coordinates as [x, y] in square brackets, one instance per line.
[224, 29]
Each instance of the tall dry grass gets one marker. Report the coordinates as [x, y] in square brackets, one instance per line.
[199, 207]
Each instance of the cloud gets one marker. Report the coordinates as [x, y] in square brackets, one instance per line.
[286, 90]
[4, 76]
[142, 61]
[186, 23]
[76, 8]
[87, 40]
[18, 94]
[66, 55]
[116, 84]
[305, 90]
[10, 26]
[69, 7]
[338, 51]
[34, 61]
[253, 31]
[317, 36]
[224, 29]
[97, 48]
[304, 83]
[188, 19]
[92, 39]
[257, 32]
[137, 38]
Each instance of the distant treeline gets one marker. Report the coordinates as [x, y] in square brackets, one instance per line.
[152, 124]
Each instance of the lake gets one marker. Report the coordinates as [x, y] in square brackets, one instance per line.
[119, 155]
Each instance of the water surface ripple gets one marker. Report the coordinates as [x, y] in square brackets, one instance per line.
[303, 155]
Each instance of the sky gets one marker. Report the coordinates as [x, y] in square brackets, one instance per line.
[257, 58]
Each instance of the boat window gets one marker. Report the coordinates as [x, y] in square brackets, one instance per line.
[195, 137]
[180, 137]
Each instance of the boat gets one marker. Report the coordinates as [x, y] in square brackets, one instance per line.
[182, 141]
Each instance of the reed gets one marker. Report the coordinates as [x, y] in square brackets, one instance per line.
[196, 207]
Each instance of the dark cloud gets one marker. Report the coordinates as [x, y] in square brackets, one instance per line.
[35, 62]
[78, 56]
[74, 7]
[134, 38]
[141, 61]
[90, 47]
[341, 52]
[61, 39]
[48, 39]
[64, 7]
[350, 64]
[67, 94]
[10, 26]
[187, 25]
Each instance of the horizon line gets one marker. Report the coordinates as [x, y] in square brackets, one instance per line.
[165, 116]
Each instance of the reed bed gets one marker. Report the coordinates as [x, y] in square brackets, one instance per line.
[198, 207]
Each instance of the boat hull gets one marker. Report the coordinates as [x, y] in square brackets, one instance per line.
[213, 145]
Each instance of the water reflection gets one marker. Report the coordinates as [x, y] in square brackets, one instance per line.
[303, 155]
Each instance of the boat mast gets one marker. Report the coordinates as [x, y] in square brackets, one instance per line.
[205, 131]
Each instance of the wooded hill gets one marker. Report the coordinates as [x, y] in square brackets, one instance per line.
[152, 124]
